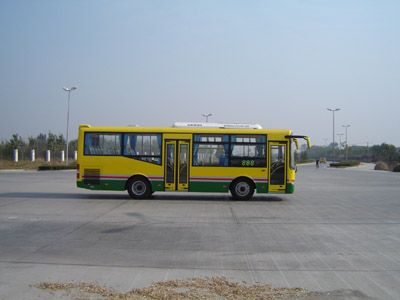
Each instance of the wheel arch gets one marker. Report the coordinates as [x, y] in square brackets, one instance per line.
[247, 178]
[137, 176]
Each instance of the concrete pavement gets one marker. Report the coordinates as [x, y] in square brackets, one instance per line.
[339, 231]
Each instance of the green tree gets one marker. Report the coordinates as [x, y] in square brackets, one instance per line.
[32, 142]
[304, 156]
[385, 152]
[72, 147]
[61, 143]
[51, 141]
[16, 141]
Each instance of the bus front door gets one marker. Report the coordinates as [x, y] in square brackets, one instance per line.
[176, 165]
[277, 166]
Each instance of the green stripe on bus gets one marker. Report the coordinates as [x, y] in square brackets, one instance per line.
[208, 186]
[195, 186]
[216, 187]
[108, 185]
[114, 185]
[289, 188]
[262, 187]
[157, 186]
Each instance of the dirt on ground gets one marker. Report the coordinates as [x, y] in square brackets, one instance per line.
[214, 288]
[191, 289]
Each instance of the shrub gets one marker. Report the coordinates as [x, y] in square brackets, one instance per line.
[381, 166]
[46, 167]
[396, 168]
[346, 163]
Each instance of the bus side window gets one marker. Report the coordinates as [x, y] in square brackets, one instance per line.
[130, 144]
[143, 146]
[102, 144]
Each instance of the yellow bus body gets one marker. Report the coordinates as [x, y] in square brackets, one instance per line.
[118, 171]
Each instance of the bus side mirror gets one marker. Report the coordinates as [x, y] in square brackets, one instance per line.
[295, 137]
[308, 142]
[296, 142]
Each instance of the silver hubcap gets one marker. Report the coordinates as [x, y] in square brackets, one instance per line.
[139, 188]
[242, 189]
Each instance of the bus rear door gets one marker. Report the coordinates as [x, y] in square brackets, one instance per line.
[177, 165]
[277, 166]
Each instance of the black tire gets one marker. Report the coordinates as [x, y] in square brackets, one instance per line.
[139, 188]
[242, 189]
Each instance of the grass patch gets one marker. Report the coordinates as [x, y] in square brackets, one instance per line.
[56, 167]
[345, 164]
[36, 165]
[21, 165]
[307, 161]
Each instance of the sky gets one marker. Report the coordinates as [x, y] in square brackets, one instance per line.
[280, 64]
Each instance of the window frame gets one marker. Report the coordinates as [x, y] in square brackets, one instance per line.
[230, 144]
[122, 145]
[103, 133]
[223, 143]
[137, 157]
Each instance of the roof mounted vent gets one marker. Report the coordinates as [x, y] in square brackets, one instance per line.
[216, 125]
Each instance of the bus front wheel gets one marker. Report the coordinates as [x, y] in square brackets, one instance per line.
[139, 188]
[242, 189]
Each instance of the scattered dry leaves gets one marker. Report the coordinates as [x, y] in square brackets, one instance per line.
[218, 288]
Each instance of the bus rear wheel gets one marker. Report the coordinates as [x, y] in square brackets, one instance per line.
[242, 189]
[139, 188]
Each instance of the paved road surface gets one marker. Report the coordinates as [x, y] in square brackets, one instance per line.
[340, 230]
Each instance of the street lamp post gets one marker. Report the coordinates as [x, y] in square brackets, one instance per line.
[326, 147]
[206, 116]
[347, 147]
[333, 130]
[68, 90]
[340, 141]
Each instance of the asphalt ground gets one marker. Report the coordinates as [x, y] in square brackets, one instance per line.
[339, 232]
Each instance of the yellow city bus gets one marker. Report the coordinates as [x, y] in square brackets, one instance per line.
[187, 157]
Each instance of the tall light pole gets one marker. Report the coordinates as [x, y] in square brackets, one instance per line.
[340, 141]
[206, 116]
[325, 146]
[333, 129]
[347, 147]
[68, 90]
